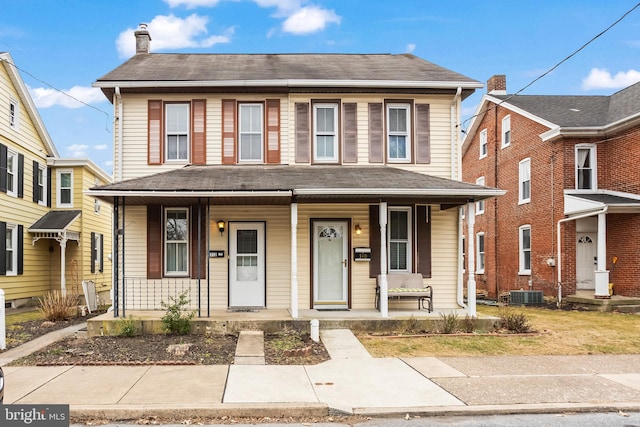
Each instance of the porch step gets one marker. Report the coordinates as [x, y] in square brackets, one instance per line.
[250, 348]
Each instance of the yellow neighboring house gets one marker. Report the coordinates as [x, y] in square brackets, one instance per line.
[52, 236]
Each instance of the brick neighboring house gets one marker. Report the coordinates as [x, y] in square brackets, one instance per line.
[569, 165]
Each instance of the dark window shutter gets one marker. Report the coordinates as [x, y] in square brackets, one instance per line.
[154, 242]
[101, 253]
[93, 251]
[228, 131]
[374, 240]
[155, 129]
[302, 132]
[3, 168]
[423, 134]
[273, 131]
[350, 132]
[376, 134]
[35, 169]
[199, 132]
[20, 249]
[21, 176]
[198, 214]
[49, 186]
[423, 239]
[3, 248]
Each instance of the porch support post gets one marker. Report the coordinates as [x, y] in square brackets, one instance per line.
[601, 273]
[63, 268]
[471, 256]
[294, 260]
[384, 302]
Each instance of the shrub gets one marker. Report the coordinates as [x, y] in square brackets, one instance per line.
[448, 323]
[174, 321]
[469, 323]
[55, 307]
[514, 322]
[127, 327]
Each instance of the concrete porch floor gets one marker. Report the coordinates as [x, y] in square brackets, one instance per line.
[270, 321]
[585, 299]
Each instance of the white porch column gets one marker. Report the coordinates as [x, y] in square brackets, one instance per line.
[601, 273]
[471, 257]
[384, 302]
[63, 262]
[294, 260]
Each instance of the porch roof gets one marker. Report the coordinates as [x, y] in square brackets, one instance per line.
[615, 202]
[54, 221]
[281, 184]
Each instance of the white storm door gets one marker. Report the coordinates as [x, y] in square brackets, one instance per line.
[246, 264]
[586, 261]
[330, 264]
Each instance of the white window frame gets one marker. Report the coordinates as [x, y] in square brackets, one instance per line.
[407, 241]
[463, 242]
[506, 131]
[524, 251]
[177, 132]
[327, 133]
[241, 107]
[42, 184]
[524, 180]
[484, 146]
[12, 173]
[96, 206]
[14, 114]
[406, 134]
[12, 238]
[166, 242]
[593, 185]
[480, 252]
[480, 203]
[97, 255]
[59, 188]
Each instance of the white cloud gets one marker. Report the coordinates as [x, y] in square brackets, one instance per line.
[171, 32]
[309, 20]
[108, 163]
[284, 7]
[100, 147]
[411, 47]
[77, 150]
[192, 4]
[600, 78]
[75, 97]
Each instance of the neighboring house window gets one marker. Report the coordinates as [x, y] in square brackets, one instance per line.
[97, 246]
[399, 239]
[65, 189]
[40, 186]
[12, 173]
[480, 253]
[177, 131]
[325, 132]
[464, 253]
[11, 252]
[480, 204]
[506, 131]
[586, 167]
[524, 180]
[483, 144]
[525, 250]
[176, 241]
[14, 112]
[398, 135]
[250, 133]
[96, 206]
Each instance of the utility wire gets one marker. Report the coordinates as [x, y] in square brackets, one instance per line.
[557, 65]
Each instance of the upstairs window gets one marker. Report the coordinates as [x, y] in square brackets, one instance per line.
[40, 184]
[177, 132]
[12, 173]
[506, 131]
[325, 133]
[14, 111]
[251, 133]
[524, 179]
[480, 204]
[398, 132]
[585, 167]
[65, 189]
[484, 150]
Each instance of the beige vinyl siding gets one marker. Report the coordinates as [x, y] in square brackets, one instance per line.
[444, 258]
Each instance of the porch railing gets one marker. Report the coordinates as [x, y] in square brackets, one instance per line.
[141, 293]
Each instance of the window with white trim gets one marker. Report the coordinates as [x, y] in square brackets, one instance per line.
[11, 250]
[65, 189]
[480, 203]
[506, 131]
[325, 132]
[41, 185]
[480, 253]
[400, 239]
[176, 241]
[484, 150]
[97, 252]
[250, 134]
[398, 132]
[12, 173]
[586, 167]
[525, 250]
[524, 181]
[177, 131]
[14, 113]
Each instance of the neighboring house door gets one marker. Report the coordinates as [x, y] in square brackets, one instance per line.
[247, 264]
[585, 261]
[330, 264]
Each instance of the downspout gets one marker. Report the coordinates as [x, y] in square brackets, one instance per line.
[586, 215]
[119, 148]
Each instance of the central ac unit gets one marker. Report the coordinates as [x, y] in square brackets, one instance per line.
[526, 297]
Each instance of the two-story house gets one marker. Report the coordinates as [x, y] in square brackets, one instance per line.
[51, 234]
[284, 181]
[569, 165]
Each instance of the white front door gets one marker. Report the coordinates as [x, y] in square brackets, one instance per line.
[586, 261]
[330, 264]
[246, 264]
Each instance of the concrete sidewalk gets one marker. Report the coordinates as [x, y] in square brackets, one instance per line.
[351, 382]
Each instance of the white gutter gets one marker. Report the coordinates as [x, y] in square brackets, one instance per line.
[398, 191]
[118, 97]
[455, 159]
[586, 215]
[171, 194]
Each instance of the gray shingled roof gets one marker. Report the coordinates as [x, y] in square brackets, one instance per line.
[609, 199]
[55, 220]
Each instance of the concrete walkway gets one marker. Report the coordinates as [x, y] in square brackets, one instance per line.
[250, 348]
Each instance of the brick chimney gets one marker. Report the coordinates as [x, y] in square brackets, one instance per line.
[497, 85]
[143, 39]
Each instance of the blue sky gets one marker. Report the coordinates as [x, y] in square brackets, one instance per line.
[65, 46]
